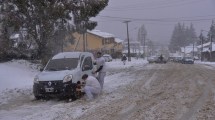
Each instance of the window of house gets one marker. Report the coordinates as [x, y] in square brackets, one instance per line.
[109, 40]
[112, 41]
[112, 50]
[106, 41]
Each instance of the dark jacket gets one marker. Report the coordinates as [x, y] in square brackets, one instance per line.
[124, 58]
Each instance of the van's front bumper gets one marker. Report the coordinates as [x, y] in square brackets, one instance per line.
[55, 88]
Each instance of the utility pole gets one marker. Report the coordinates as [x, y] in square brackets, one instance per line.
[193, 50]
[84, 41]
[84, 34]
[144, 45]
[184, 51]
[201, 44]
[129, 58]
[210, 46]
[194, 44]
[62, 35]
[211, 37]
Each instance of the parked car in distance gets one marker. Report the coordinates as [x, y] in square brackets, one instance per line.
[160, 60]
[61, 74]
[196, 58]
[156, 59]
[107, 58]
[187, 60]
[152, 59]
[178, 59]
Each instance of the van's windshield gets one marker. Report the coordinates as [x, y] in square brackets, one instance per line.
[62, 64]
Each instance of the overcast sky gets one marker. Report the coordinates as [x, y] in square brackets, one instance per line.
[158, 16]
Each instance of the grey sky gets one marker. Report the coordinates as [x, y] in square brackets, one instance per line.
[151, 13]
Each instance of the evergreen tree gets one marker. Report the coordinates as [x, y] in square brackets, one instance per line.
[46, 19]
[192, 37]
[142, 33]
[5, 29]
[211, 34]
[202, 39]
[174, 42]
[84, 11]
[182, 36]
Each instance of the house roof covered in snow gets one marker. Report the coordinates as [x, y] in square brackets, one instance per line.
[204, 45]
[118, 40]
[207, 48]
[188, 49]
[101, 34]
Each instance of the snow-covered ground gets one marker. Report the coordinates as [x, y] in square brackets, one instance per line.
[20, 73]
[16, 80]
[206, 63]
[17, 101]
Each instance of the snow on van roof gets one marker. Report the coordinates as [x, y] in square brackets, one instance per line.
[67, 55]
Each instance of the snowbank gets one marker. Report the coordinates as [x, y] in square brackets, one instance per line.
[16, 74]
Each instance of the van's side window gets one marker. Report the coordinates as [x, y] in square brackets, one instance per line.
[87, 65]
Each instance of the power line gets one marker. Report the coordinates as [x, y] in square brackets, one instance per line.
[163, 19]
[158, 18]
[162, 6]
[160, 2]
[147, 23]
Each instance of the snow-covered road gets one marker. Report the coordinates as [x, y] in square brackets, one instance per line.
[135, 91]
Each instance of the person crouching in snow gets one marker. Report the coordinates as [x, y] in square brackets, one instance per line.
[92, 87]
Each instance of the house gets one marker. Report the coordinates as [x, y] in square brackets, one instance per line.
[191, 51]
[118, 48]
[96, 40]
[136, 49]
[206, 53]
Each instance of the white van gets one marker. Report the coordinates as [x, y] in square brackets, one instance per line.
[60, 75]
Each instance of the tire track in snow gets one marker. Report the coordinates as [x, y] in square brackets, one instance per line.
[197, 105]
[126, 111]
[202, 99]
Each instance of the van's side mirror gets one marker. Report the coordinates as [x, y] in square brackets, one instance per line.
[86, 67]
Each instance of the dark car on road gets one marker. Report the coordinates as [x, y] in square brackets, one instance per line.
[187, 60]
[161, 61]
[157, 59]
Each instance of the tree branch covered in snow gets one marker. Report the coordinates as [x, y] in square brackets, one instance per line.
[45, 20]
